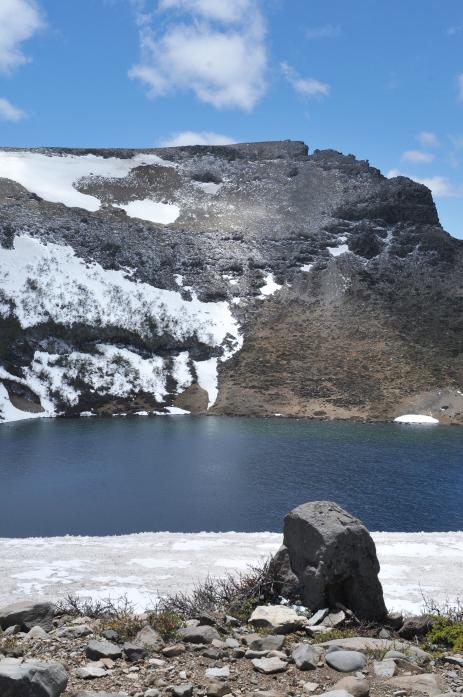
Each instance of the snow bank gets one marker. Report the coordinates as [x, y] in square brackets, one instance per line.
[161, 213]
[52, 177]
[416, 419]
[144, 566]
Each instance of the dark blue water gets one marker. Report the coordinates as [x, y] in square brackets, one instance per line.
[107, 476]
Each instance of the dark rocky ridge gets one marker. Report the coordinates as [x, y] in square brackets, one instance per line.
[370, 334]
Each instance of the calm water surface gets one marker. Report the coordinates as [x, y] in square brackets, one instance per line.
[108, 476]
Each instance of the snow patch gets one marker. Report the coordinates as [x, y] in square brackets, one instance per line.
[337, 251]
[145, 209]
[307, 268]
[176, 411]
[270, 287]
[8, 412]
[52, 177]
[206, 372]
[416, 419]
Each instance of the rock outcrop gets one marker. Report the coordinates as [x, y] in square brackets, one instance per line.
[248, 279]
[327, 558]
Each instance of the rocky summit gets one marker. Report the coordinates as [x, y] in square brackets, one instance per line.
[252, 279]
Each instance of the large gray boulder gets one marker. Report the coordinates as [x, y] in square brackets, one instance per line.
[28, 615]
[31, 678]
[329, 557]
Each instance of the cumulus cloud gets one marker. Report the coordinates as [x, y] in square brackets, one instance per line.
[325, 31]
[308, 87]
[196, 138]
[9, 112]
[19, 20]
[441, 187]
[214, 48]
[417, 156]
[428, 139]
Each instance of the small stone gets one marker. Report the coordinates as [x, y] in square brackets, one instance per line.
[385, 669]
[28, 615]
[384, 634]
[31, 678]
[336, 693]
[173, 650]
[310, 687]
[317, 618]
[394, 620]
[278, 618]
[355, 686]
[150, 637]
[185, 690]
[335, 619]
[269, 666]
[220, 673]
[427, 683]
[152, 692]
[271, 642]
[232, 643]
[36, 634]
[102, 649]
[111, 635]
[90, 672]
[199, 635]
[306, 657]
[134, 652]
[216, 688]
[416, 626]
[345, 661]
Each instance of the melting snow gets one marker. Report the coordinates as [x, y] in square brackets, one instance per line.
[270, 286]
[416, 419]
[145, 209]
[8, 412]
[145, 566]
[52, 177]
[337, 251]
[206, 372]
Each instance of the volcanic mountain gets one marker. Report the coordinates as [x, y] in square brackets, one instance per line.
[248, 279]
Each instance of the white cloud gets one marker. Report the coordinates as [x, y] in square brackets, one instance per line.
[441, 187]
[417, 156]
[219, 10]
[9, 112]
[223, 64]
[308, 87]
[19, 20]
[196, 138]
[428, 139]
[460, 87]
[326, 31]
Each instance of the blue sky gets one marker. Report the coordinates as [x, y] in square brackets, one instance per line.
[382, 80]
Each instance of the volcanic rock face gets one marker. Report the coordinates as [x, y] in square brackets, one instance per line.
[247, 279]
[329, 557]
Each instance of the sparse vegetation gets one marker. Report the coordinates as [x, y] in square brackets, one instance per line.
[166, 622]
[447, 627]
[232, 595]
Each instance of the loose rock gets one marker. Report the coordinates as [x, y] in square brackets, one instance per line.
[346, 661]
[31, 678]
